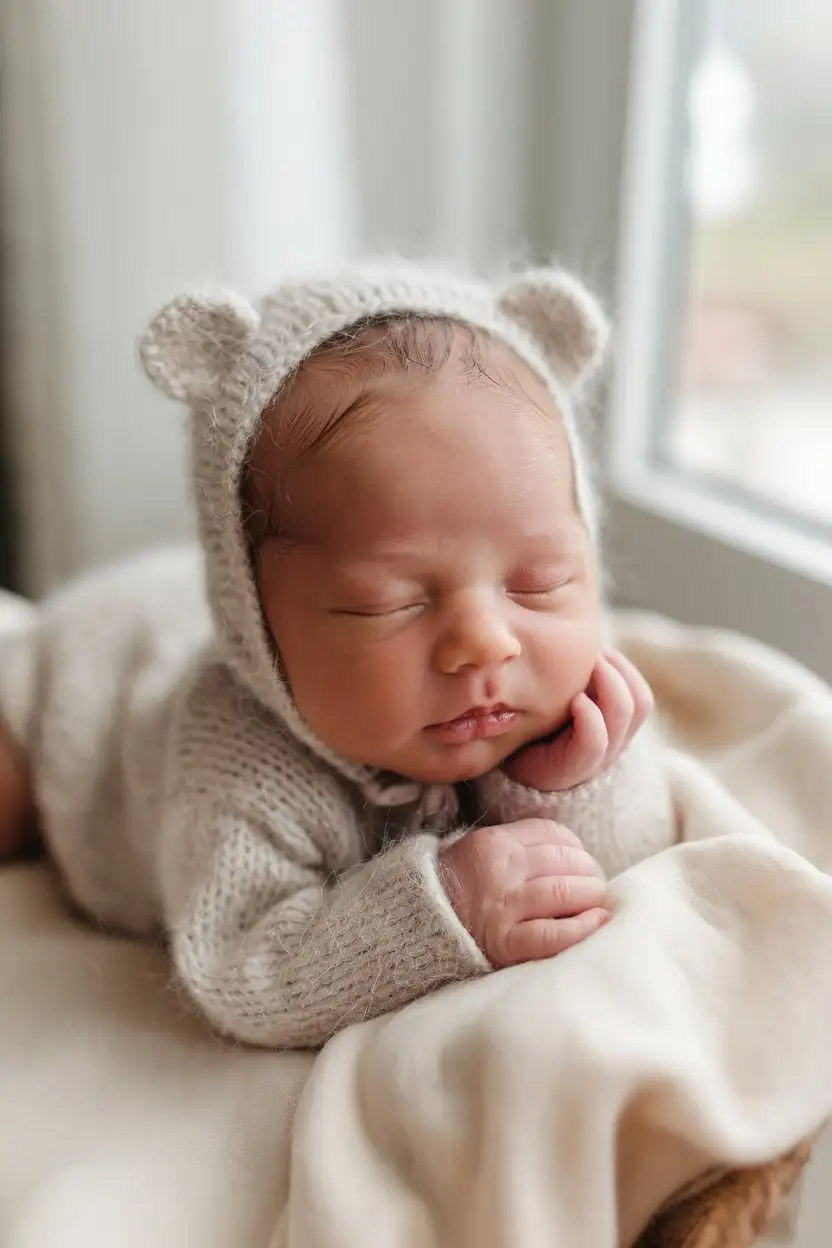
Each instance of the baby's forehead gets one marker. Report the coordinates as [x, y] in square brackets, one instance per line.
[344, 393]
[405, 352]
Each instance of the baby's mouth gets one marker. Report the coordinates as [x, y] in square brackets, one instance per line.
[477, 723]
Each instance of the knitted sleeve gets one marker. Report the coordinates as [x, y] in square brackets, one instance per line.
[621, 817]
[282, 929]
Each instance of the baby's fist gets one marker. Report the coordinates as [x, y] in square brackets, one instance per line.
[524, 890]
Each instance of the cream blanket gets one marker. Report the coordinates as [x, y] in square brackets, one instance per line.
[552, 1104]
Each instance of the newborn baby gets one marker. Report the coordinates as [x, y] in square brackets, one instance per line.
[399, 752]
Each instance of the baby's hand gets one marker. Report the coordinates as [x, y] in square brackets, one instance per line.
[524, 890]
[604, 721]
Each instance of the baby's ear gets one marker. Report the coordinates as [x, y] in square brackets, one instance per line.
[194, 340]
[565, 320]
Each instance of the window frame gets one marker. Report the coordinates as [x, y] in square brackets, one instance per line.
[682, 545]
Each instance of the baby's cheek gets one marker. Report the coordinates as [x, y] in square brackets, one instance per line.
[360, 706]
[330, 706]
[565, 660]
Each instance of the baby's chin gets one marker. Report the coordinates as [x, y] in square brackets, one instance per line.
[429, 762]
[460, 763]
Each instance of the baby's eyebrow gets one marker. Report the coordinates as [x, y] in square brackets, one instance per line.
[371, 572]
[561, 543]
[562, 558]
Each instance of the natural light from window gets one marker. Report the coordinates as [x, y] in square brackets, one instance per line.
[754, 376]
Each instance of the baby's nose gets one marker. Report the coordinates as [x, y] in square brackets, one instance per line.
[478, 639]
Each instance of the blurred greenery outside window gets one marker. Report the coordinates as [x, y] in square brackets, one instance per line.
[752, 379]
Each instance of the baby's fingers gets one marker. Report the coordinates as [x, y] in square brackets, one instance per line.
[584, 747]
[545, 938]
[616, 703]
[557, 897]
[642, 694]
[571, 758]
[563, 858]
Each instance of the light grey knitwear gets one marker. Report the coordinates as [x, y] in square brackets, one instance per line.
[179, 786]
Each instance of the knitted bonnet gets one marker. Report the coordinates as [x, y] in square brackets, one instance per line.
[227, 359]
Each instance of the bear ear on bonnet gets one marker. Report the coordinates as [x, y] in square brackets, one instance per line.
[193, 342]
[564, 319]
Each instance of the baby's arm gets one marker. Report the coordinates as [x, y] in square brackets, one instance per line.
[271, 942]
[604, 778]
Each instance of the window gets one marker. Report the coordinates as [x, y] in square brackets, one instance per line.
[721, 405]
[753, 410]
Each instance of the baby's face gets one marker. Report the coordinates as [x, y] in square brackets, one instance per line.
[436, 606]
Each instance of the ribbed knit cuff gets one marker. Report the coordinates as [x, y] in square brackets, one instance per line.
[415, 920]
[503, 800]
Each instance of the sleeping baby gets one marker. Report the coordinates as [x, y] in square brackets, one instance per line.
[398, 751]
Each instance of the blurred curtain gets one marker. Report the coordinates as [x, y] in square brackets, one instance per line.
[148, 145]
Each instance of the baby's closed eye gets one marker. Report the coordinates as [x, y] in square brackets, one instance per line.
[539, 584]
[378, 610]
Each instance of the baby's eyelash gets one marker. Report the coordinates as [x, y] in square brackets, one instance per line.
[379, 615]
[544, 592]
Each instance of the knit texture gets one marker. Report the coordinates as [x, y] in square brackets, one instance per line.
[179, 785]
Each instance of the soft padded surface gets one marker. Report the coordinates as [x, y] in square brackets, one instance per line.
[123, 1122]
